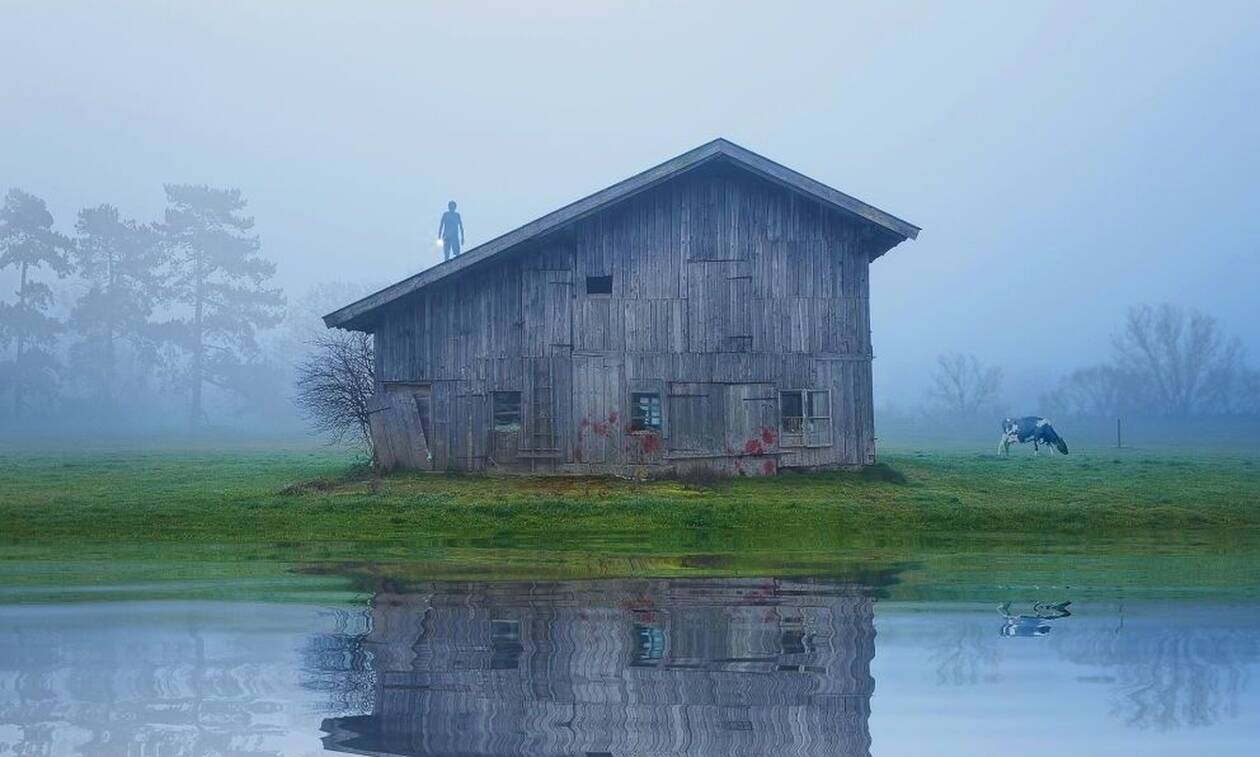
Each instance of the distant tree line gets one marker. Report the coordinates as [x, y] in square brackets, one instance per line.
[180, 300]
[168, 320]
[1166, 361]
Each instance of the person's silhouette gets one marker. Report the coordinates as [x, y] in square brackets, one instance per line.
[451, 231]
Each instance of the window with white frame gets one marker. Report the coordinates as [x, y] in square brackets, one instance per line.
[805, 418]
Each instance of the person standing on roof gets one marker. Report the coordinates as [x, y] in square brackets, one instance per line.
[451, 231]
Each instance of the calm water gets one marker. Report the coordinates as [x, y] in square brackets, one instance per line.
[746, 666]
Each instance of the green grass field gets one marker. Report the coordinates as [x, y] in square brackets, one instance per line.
[214, 517]
[306, 496]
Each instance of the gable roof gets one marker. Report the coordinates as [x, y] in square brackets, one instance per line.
[717, 149]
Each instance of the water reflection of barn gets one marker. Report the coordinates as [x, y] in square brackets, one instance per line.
[620, 668]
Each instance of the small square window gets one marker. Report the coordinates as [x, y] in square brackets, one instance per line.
[507, 411]
[599, 284]
[645, 411]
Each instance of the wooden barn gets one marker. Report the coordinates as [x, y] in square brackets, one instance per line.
[709, 314]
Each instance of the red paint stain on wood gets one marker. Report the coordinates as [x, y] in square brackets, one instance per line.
[640, 602]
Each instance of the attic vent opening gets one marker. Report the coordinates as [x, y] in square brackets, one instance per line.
[599, 284]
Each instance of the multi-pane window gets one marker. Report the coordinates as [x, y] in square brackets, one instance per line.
[645, 411]
[507, 411]
[805, 418]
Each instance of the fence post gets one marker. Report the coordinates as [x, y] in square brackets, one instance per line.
[1118, 444]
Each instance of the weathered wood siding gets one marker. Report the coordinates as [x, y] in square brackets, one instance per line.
[726, 290]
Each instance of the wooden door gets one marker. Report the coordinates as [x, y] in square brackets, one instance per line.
[752, 425]
[401, 424]
[695, 419]
[597, 408]
[547, 300]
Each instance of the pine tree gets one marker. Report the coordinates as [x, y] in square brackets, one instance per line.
[123, 264]
[29, 244]
[219, 278]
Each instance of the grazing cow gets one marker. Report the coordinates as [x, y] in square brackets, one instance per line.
[1030, 428]
[1037, 624]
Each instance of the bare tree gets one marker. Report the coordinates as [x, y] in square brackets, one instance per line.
[1249, 393]
[335, 383]
[1097, 391]
[961, 384]
[303, 324]
[1170, 674]
[1184, 359]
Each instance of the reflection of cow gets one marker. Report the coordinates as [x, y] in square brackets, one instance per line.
[1037, 624]
[1030, 428]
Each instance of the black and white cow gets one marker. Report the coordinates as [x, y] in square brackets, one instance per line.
[1030, 428]
[1037, 624]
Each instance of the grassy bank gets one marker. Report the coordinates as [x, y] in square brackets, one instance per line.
[306, 497]
[266, 523]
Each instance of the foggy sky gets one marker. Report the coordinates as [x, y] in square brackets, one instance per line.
[1064, 159]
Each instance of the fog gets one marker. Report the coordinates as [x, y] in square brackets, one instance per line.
[1065, 160]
